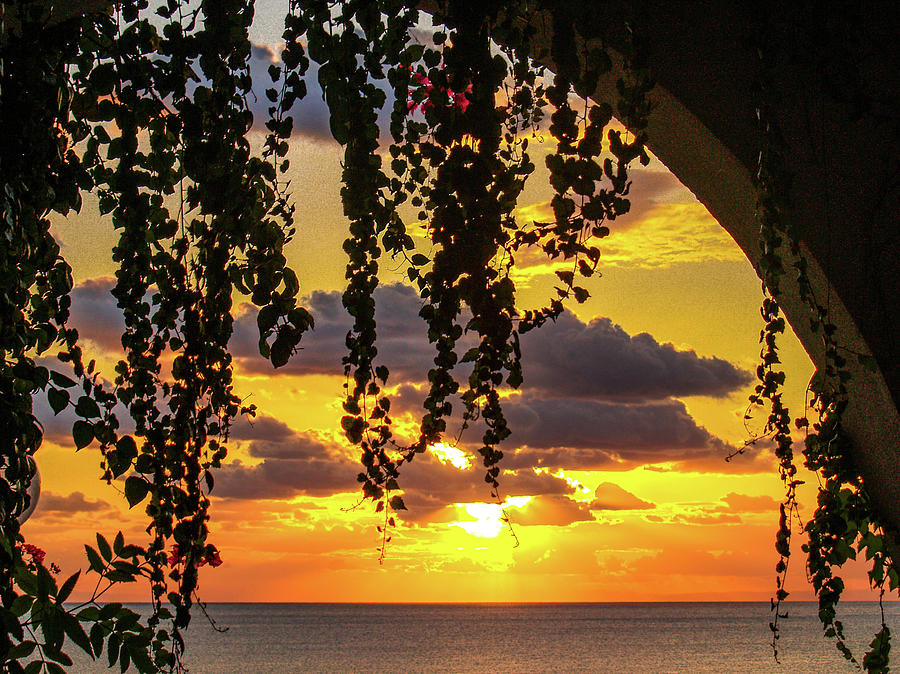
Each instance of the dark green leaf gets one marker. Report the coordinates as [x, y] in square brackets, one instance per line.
[97, 636]
[22, 650]
[67, 587]
[136, 490]
[82, 433]
[76, 633]
[87, 408]
[61, 380]
[94, 559]
[103, 546]
[57, 399]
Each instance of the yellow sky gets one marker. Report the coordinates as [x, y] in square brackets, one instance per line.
[645, 510]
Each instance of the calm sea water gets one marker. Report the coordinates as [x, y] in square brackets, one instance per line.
[654, 637]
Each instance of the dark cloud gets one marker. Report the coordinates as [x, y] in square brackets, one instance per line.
[612, 426]
[95, 314]
[566, 359]
[305, 446]
[610, 496]
[571, 359]
[261, 428]
[594, 397]
[293, 463]
[402, 337]
[655, 188]
[310, 113]
[311, 116]
[56, 504]
[284, 478]
[304, 464]
[430, 485]
[578, 434]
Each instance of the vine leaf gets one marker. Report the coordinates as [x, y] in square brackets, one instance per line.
[82, 434]
[136, 489]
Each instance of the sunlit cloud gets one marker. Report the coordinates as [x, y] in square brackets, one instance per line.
[610, 496]
[449, 454]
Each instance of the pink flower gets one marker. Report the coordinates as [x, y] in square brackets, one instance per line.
[460, 99]
[422, 79]
[176, 556]
[214, 559]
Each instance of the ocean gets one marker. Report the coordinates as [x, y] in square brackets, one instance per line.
[596, 637]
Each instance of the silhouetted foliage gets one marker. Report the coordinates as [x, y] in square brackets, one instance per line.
[152, 116]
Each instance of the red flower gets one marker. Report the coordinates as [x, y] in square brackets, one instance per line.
[37, 555]
[213, 558]
[460, 99]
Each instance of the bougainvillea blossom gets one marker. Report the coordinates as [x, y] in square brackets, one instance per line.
[176, 557]
[458, 100]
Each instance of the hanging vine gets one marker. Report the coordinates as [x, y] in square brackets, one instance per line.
[149, 132]
[844, 522]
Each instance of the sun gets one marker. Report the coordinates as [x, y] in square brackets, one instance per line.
[489, 518]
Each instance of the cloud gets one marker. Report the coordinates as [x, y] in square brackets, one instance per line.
[280, 477]
[615, 427]
[76, 502]
[293, 463]
[430, 485]
[554, 510]
[579, 434]
[95, 314]
[565, 359]
[402, 337]
[311, 115]
[653, 187]
[706, 519]
[305, 464]
[742, 503]
[600, 360]
[610, 496]
[261, 428]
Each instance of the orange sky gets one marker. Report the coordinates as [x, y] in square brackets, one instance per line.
[630, 404]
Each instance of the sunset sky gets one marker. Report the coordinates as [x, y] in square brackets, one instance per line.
[615, 475]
